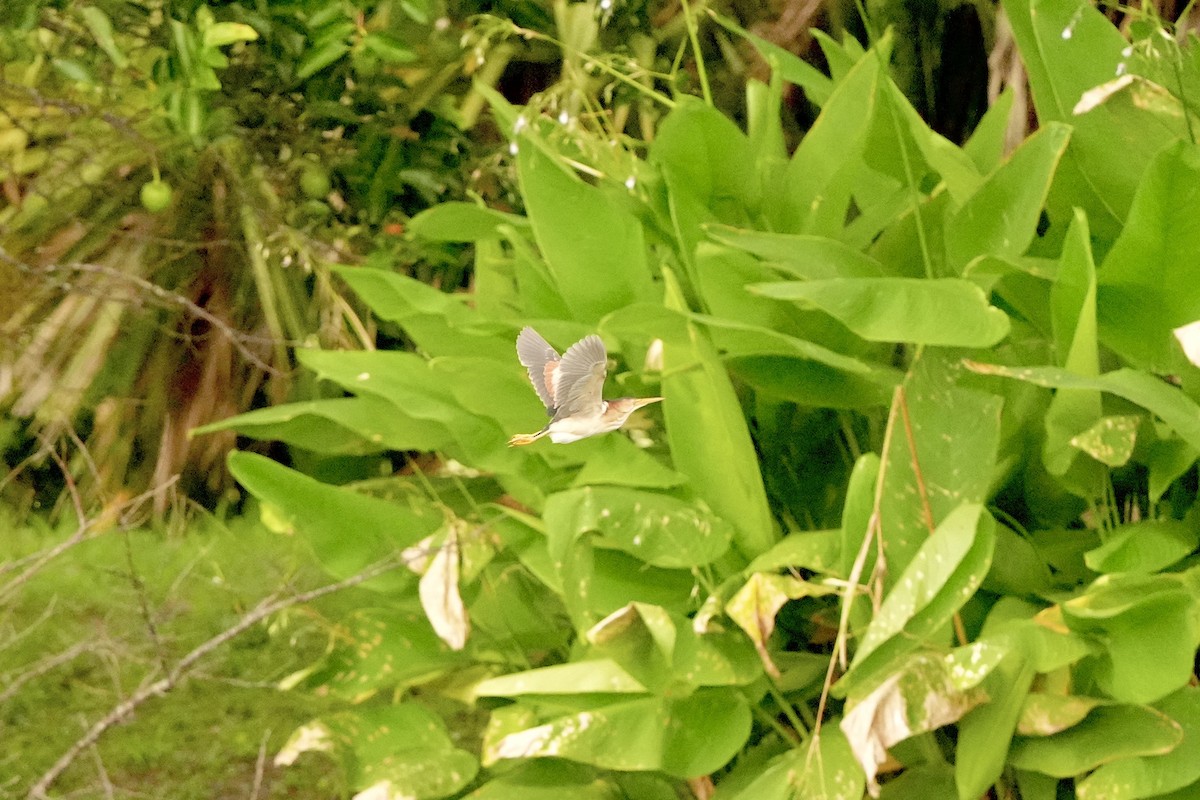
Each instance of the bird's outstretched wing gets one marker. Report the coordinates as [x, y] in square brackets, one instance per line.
[537, 356]
[579, 382]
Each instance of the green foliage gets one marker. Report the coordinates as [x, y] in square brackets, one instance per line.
[999, 537]
[106, 616]
[177, 181]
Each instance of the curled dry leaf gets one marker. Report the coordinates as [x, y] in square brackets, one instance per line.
[440, 597]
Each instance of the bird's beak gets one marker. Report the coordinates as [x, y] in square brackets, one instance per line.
[638, 402]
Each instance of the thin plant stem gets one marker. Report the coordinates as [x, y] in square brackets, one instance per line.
[772, 723]
[694, 38]
[788, 711]
[597, 64]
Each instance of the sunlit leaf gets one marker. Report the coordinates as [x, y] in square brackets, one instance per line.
[1143, 547]
[1170, 404]
[825, 769]
[1107, 734]
[347, 530]
[1146, 626]
[1154, 775]
[656, 528]
[685, 737]
[462, 222]
[943, 575]
[947, 311]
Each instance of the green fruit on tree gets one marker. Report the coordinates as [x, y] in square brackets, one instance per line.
[314, 182]
[156, 195]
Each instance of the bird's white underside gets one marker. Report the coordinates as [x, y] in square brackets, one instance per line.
[572, 429]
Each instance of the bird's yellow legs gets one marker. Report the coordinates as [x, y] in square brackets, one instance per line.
[522, 439]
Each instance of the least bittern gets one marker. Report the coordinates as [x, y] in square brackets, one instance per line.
[571, 388]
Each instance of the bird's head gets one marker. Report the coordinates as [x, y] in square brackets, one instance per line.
[622, 407]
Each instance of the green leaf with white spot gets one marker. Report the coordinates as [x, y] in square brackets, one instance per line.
[656, 528]
[685, 737]
[943, 575]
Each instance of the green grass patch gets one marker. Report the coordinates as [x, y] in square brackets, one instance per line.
[129, 605]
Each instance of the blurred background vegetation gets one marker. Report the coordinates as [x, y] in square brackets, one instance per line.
[178, 177]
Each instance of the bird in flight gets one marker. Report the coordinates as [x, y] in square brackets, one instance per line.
[571, 388]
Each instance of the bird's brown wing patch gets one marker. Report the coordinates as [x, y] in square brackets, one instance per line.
[540, 359]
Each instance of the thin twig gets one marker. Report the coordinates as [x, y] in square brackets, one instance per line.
[76, 501]
[184, 666]
[84, 453]
[42, 667]
[260, 765]
[105, 781]
[43, 558]
[139, 588]
[14, 639]
[874, 531]
[960, 630]
[926, 509]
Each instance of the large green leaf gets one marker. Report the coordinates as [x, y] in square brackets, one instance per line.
[1144, 547]
[443, 394]
[1148, 283]
[1147, 625]
[441, 324]
[944, 573]
[383, 649]
[818, 177]
[706, 156]
[591, 676]
[462, 222]
[1001, 217]
[594, 247]
[819, 551]
[803, 256]
[1153, 776]
[985, 733]
[1073, 318]
[825, 769]
[1109, 733]
[707, 431]
[685, 737]
[348, 531]
[943, 454]
[1068, 48]
[945, 311]
[617, 461]
[656, 528]
[547, 779]
[393, 751]
[1170, 404]
[338, 426]
[955, 168]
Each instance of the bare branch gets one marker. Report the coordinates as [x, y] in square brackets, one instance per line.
[260, 765]
[184, 666]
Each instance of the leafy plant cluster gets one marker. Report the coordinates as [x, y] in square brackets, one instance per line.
[917, 515]
[175, 180]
